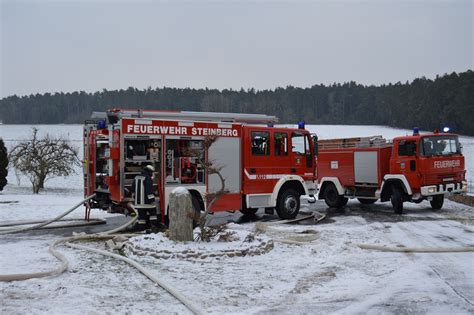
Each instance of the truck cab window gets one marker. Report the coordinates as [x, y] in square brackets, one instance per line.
[407, 148]
[260, 143]
[439, 145]
[298, 143]
[281, 143]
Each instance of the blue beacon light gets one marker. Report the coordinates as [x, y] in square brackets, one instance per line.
[101, 124]
[416, 131]
[301, 125]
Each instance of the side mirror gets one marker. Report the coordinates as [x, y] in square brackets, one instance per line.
[315, 141]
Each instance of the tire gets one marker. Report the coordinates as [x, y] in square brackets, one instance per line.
[332, 197]
[397, 200]
[366, 201]
[288, 204]
[197, 209]
[249, 211]
[437, 202]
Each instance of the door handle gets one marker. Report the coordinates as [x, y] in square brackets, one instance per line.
[253, 171]
[293, 170]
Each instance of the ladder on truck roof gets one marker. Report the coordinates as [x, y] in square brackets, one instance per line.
[359, 142]
[187, 115]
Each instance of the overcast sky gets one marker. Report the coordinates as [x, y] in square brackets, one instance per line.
[49, 46]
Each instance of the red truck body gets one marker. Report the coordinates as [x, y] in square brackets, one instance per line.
[263, 166]
[411, 168]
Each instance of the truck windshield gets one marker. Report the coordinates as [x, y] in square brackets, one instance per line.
[441, 145]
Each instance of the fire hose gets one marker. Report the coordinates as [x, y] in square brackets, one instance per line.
[73, 223]
[100, 236]
[417, 249]
[44, 223]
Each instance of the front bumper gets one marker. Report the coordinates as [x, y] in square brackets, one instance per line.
[441, 189]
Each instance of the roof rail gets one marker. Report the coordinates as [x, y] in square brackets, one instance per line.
[188, 115]
[359, 142]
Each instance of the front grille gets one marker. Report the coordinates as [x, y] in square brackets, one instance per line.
[444, 178]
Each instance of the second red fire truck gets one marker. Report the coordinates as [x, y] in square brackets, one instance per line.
[263, 166]
[410, 168]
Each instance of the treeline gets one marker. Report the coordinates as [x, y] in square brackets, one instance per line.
[428, 104]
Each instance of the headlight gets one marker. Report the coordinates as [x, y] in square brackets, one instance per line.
[432, 190]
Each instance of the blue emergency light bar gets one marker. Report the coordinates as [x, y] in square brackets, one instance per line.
[101, 124]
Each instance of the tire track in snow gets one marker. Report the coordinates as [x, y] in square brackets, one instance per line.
[443, 265]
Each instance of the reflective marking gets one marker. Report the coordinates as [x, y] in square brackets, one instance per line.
[263, 176]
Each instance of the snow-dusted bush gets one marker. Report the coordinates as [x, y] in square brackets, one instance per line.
[3, 165]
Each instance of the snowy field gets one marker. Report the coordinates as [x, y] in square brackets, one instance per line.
[13, 133]
[328, 275]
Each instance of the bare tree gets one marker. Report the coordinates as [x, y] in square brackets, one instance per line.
[42, 159]
[206, 233]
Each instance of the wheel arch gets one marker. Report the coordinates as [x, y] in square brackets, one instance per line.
[325, 182]
[394, 180]
[286, 182]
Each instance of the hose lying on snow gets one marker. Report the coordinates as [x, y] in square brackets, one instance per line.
[73, 223]
[100, 236]
[34, 227]
[292, 238]
[418, 249]
[52, 248]
[147, 273]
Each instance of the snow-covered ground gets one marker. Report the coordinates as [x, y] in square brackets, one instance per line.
[328, 275]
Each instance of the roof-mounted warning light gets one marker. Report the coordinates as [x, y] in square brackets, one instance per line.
[416, 131]
[446, 129]
[101, 124]
[301, 124]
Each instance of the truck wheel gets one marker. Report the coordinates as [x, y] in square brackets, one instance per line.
[288, 204]
[249, 211]
[366, 201]
[397, 200]
[332, 197]
[437, 202]
[197, 210]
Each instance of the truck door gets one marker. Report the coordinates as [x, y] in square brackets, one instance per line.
[257, 167]
[301, 155]
[406, 160]
[282, 159]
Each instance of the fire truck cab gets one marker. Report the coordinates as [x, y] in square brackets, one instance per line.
[410, 168]
[263, 166]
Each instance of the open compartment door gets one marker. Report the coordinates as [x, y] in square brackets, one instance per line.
[225, 153]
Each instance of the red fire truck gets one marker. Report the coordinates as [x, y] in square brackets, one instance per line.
[263, 166]
[411, 168]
